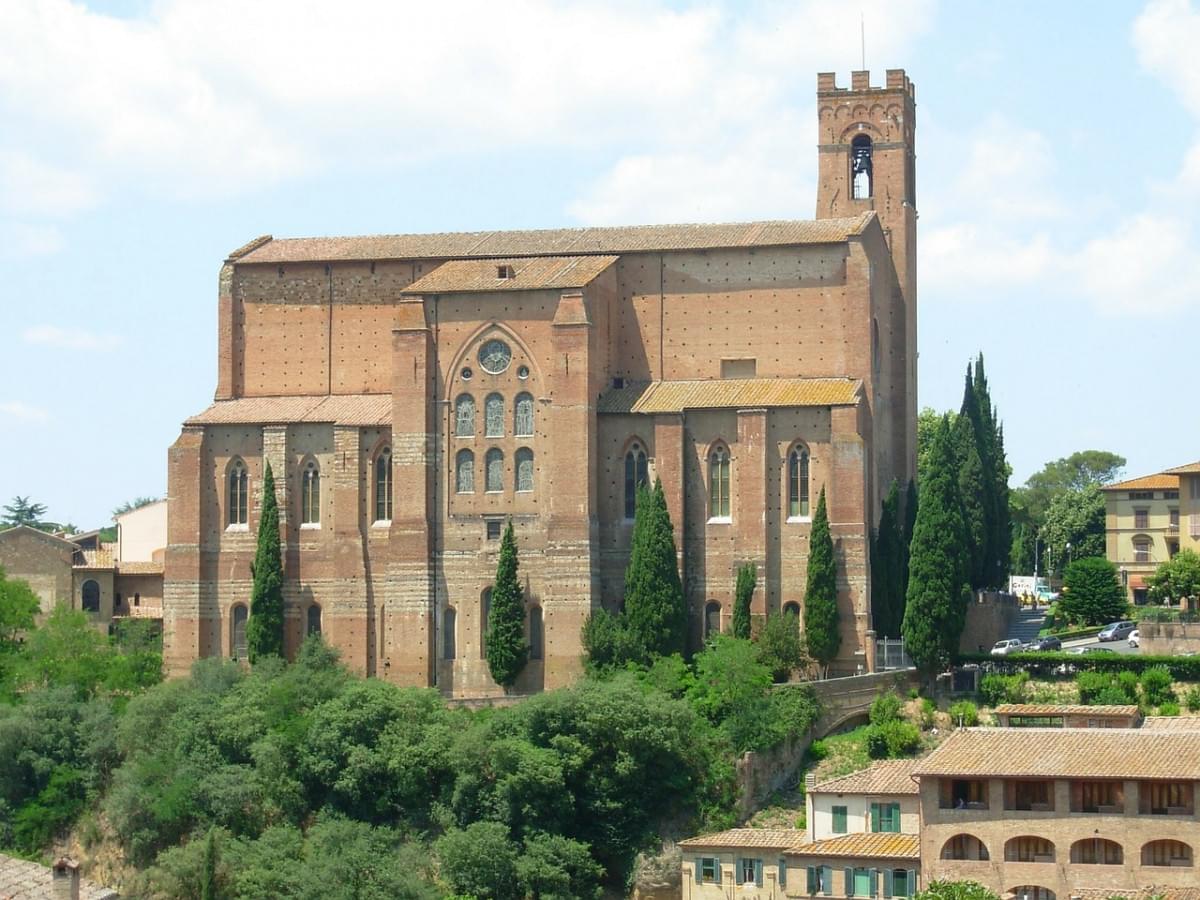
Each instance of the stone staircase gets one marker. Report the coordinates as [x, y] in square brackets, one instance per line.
[1026, 625]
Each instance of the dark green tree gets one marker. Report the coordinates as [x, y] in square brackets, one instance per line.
[887, 567]
[654, 601]
[997, 471]
[973, 489]
[208, 874]
[1092, 593]
[1176, 578]
[743, 592]
[937, 584]
[821, 633]
[780, 648]
[18, 605]
[506, 647]
[910, 523]
[131, 505]
[23, 512]
[1075, 517]
[264, 630]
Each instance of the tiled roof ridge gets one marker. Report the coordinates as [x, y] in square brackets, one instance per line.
[1065, 708]
[1186, 469]
[1165, 479]
[877, 844]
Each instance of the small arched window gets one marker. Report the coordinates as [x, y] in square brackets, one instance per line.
[524, 469]
[792, 609]
[523, 415]
[718, 482]
[636, 475]
[464, 416]
[237, 632]
[712, 619]
[860, 167]
[314, 619]
[1031, 892]
[536, 638]
[310, 494]
[239, 505]
[798, 498]
[965, 846]
[449, 633]
[464, 472]
[493, 411]
[485, 609]
[494, 471]
[383, 485]
[1028, 848]
[90, 596]
[1097, 852]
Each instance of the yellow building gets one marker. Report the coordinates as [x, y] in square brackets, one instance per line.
[1142, 517]
[1189, 505]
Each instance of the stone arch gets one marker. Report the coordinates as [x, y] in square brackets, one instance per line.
[965, 846]
[1167, 853]
[1097, 851]
[89, 596]
[1029, 848]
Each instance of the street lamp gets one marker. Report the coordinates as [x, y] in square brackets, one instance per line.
[1068, 553]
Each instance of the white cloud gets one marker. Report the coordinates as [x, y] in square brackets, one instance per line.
[1148, 264]
[22, 239]
[15, 409]
[70, 338]
[1166, 36]
[972, 255]
[29, 185]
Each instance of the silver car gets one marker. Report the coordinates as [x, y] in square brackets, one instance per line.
[1116, 631]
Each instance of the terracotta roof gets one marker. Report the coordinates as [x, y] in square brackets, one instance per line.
[1150, 892]
[1162, 481]
[1066, 753]
[139, 568]
[1171, 723]
[1189, 469]
[103, 557]
[344, 409]
[873, 845]
[734, 838]
[555, 241]
[1064, 709]
[892, 776]
[24, 880]
[536, 273]
[732, 393]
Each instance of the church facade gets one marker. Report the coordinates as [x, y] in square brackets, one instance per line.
[413, 392]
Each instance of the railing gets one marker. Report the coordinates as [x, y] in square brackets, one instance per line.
[890, 654]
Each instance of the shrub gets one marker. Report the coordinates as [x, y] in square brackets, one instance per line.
[893, 739]
[913, 693]
[1156, 686]
[1169, 708]
[885, 708]
[1106, 688]
[609, 642]
[1182, 668]
[780, 647]
[1192, 699]
[996, 689]
[965, 713]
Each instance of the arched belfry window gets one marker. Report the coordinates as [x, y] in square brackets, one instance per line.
[464, 472]
[464, 416]
[524, 459]
[523, 415]
[636, 475]
[718, 482]
[493, 411]
[798, 496]
[314, 619]
[860, 167]
[383, 485]
[239, 483]
[712, 619]
[310, 494]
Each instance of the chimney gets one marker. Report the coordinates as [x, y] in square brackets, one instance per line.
[810, 781]
[65, 879]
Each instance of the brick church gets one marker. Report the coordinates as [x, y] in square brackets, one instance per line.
[412, 392]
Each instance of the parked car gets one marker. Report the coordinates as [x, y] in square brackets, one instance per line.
[1005, 647]
[1116, 631]
[1045, 644]
[1135, 638]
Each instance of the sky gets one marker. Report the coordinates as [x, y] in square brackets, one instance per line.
[1058, 180]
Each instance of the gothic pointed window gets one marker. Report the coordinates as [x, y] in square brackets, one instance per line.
[383, 485]
[718, 483]
[237, 632]
[464, 472]
[464, 416]
[494, 471]
[523, 417]
[239, 482]
[310, 494]
[314, 619]
[798, 497]
[636, 475]
[494, 414]
[524, 469]
[860, 167]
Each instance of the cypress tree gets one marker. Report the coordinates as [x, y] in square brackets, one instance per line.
[910, 521]
[208, 874]
[937, 585]
[991, 451]
[506, 649]
[887, 559]
[264, 630]
[821, 632]
[743, 591]
[973, 488]
[654, 601]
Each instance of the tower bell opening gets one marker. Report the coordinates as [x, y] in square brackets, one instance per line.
[860, 167]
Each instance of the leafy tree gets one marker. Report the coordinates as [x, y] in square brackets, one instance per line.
[264, 630]
[743, 592]
[131, 505]
[938, 585]
[1080, 470]
[609, 642]
[553, 867]
[1092, 593]
[480, 861]
[780, 647]
[1075, 517]
[654, 600]
[1176, 578]
[208, 874]
[821, 632]
[21, 511]
[18, 606]
[928, 420]
[955, 890]
[506, 648]
[887, 567]
[731, 690]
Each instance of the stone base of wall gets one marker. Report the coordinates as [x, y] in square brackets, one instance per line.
[989, 618]
[1169, 638]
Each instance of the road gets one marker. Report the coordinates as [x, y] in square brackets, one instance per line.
[1121, 646]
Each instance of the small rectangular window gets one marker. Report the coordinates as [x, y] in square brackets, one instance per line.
[493, 529]
[708, 870]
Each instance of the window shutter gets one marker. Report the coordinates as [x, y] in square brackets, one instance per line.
[874, 817]
[895, 818]
[827, 879]
[812, 879]
[699, 870]
[848, 889]
[874, 882]
[887, 883]
[758, 873]
[912, 882]
[737, 870]
[782, 872]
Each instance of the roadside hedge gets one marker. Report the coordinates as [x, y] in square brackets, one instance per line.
[1182, 668]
